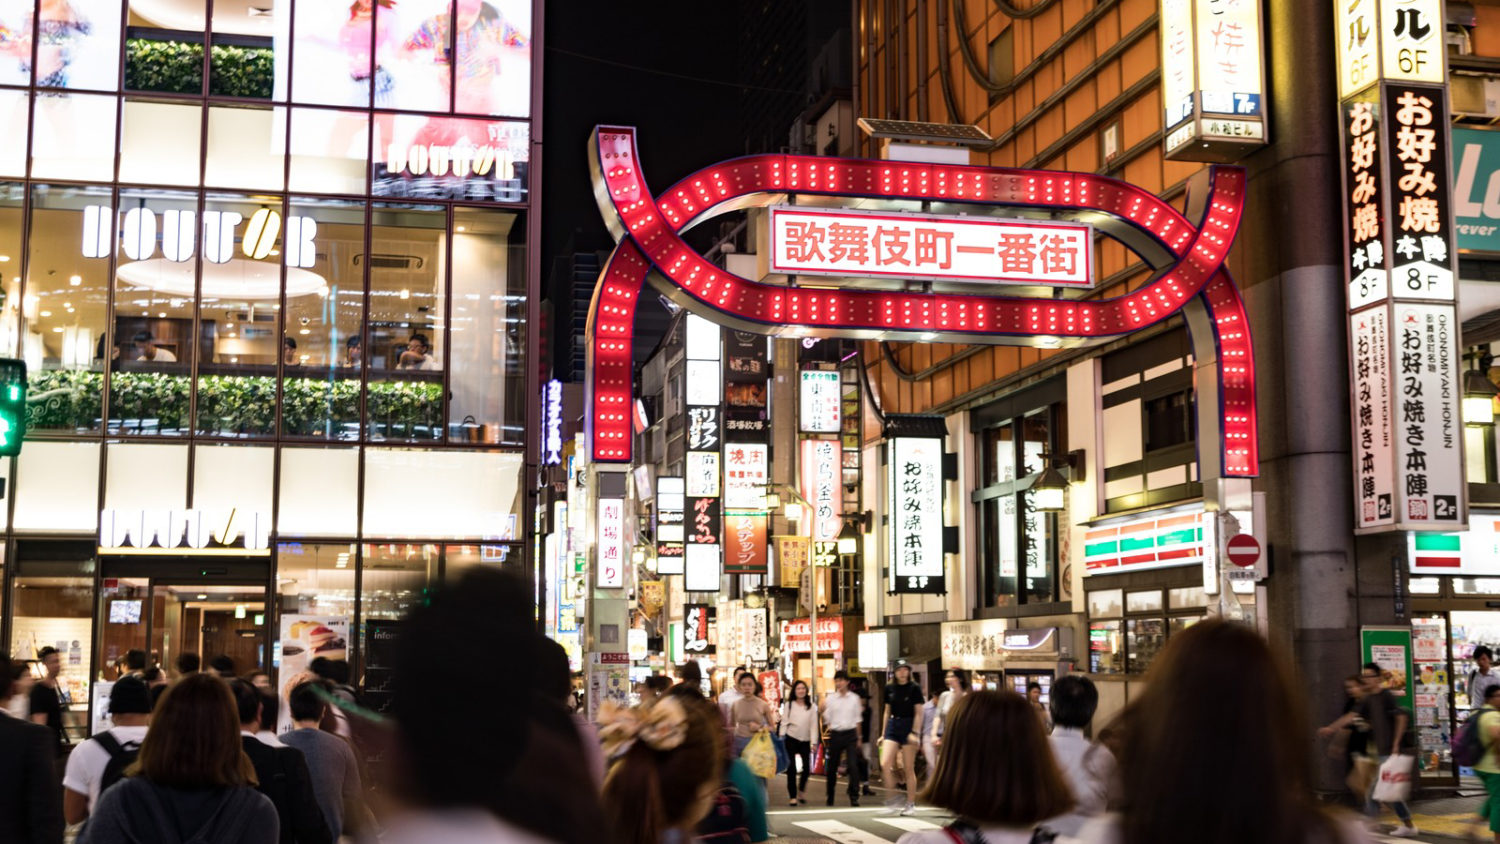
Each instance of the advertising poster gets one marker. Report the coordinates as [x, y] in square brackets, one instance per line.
[409, 55]
[303, 639]
[792, 555]
[1390, 648]
[79, 47]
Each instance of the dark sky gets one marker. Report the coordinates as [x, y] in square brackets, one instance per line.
[659, 66]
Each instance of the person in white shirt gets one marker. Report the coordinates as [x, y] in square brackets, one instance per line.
[957, 681]
[149, 351]
[130, 710]
[842, 712]
[1481, 678]
[799, 727]
[731, 694]
[1088, 767]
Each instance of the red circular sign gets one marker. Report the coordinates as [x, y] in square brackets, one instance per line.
[1244, 550]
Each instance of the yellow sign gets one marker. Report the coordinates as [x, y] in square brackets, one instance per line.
[792, 555]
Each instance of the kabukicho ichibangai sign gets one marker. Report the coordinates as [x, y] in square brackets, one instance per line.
[1027, 280]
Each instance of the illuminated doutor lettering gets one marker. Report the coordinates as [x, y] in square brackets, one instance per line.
[179, 235]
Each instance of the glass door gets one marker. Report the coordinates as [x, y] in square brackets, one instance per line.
[219, 622]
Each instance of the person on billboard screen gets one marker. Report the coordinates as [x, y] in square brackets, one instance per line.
[484, 41]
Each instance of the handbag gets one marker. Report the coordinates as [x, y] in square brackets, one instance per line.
[760, 755]
[783, 759]
[817, 760]
[1393, 783]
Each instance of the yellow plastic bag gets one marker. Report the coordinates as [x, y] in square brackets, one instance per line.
[760, 755]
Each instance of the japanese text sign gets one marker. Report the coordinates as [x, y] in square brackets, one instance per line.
[822, 489]
[796, 636]
[754, 636]
[1369, 279]
[916, 514]
[819, 401]
[703, 428]
[671, 502]
[697, 621]
[792, 554]
[1390, 39]
[745, 475]
[704, 522]
[1422, 224]
[1213, 85]
[938, 247]
[1374, 432]
[702, 473]
[1430, 488]
[745, 543]
[552, 424]
[610, 570]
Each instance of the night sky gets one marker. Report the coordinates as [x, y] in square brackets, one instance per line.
[667, 68]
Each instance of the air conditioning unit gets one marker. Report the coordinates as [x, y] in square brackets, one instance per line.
[1475, 96]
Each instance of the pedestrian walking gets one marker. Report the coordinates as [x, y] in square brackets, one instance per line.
[998, 797]
[1488, 767]
[1034, 697]
[842, 712]
[330, 760]
[1482, 677]
[929, 733]
[957, 682]
[49, 699]
[1351, 745]
[31, 809]
[1390, 736]
[800, 729]
[1235, 772]
[191, 782]
[749, 713]
[667, 764]
[281, 774]
[902, 737]
[101, 761]
[1088, 767]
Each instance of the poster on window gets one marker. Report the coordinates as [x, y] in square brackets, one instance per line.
[303, 639]
[916, 515]
[76, 44]
[412, 55]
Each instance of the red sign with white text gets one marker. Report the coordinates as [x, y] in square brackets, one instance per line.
[945, 248]
[796, 636]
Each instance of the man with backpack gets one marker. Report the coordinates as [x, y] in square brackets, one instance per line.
[281, 774]
[101, 761]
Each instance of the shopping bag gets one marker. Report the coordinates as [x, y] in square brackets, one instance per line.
[817, 760]
[1393, 783]
[760, 755]
[783, 759]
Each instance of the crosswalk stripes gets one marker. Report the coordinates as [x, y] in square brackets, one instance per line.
[841, 832]
[908, 824]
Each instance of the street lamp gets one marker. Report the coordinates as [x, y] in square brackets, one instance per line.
[848, 538]
[1479, 394]
[1049, 489]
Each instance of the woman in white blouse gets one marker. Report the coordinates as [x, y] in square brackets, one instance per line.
[800, 729]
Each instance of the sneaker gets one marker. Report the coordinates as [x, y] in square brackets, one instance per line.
[893, 808]
[1404, 831]
[909, 810]
[853, 801]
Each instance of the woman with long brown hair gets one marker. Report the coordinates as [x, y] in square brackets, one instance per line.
[192, 780]
[996, 773]
[668, 761]
[1217, 749]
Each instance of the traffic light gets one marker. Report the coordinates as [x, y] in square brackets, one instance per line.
[12, 406]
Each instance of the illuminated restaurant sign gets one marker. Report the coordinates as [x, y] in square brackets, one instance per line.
[1213, 82]
[186, 532]
[820, 486]
[178, 239]
[938, 247]
[915, 481]
[819, 402]
[610, 570]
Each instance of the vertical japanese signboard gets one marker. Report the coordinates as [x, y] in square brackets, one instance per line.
[705, 437]
[745, 476]
[697, 624]
[1213, 83]
[1405, 380]
[820, 486]
[610, 571]
[916, 514]
[671, 507]
[745, 543]
[819, 405]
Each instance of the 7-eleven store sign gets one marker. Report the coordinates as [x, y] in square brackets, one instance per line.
[1475, 551]
[1173, 539]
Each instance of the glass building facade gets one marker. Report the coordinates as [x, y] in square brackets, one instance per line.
[270, 268]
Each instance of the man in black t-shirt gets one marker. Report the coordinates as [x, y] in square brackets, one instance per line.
[903, 735]
[1390, 735]
[48, 697]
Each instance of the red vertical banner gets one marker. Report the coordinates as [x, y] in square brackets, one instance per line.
[745, 543]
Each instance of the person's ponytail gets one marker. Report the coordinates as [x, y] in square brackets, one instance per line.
[633, 797]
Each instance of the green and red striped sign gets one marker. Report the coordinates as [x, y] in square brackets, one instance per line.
[1176, 539]
[1475, 551]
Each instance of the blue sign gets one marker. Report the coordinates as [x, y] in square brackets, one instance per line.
[1476, 189]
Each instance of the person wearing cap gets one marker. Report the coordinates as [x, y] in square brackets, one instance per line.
[130, 711]
[902, 736]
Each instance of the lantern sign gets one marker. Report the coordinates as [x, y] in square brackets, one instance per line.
[610, 568]
[845, 242]
[820, 402]
[820, 486]
[697, 624]
[916, 514]
[1213, 82]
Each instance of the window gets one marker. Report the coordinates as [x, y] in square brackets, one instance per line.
[1169, 420]
[1128, 629]
[322, 344]
[406, 319]
[487, 337]
[1019, 543]
[1003, 59]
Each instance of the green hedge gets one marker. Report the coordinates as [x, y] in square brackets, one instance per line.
[69, 400]
[176, 67]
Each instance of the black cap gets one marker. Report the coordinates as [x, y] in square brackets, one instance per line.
[900, 663]
[130, 696]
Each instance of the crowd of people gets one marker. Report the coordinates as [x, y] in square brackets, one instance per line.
[196, 757]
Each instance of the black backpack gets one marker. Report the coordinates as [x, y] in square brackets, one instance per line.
[121, 756]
